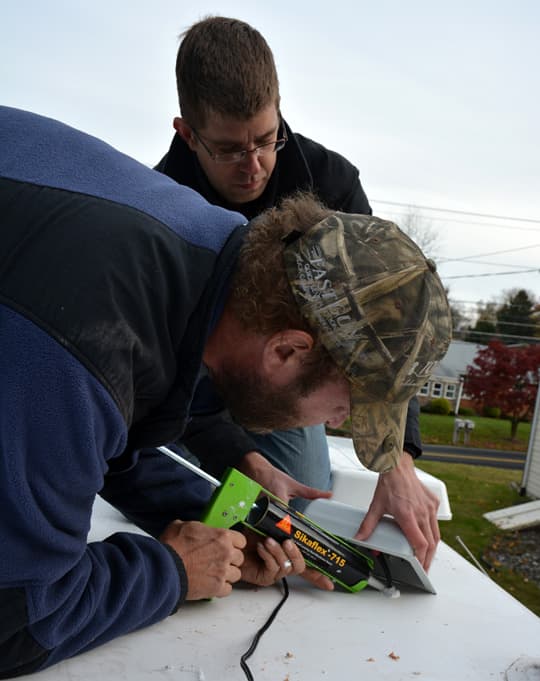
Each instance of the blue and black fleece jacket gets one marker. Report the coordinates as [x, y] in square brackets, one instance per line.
[110, 278]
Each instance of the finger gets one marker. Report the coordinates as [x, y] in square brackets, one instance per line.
[224, 590]
[418, 541]
[281, 559]
[432, 532]
[429, 557]
[232, 574]
[266, 551]
[239, 541]
[237, 558]
[424, 538]
[434, 540]
[286, 556]
[434, 524]
[306, 492]
[367, 525]
[318, 579]
[294, 557]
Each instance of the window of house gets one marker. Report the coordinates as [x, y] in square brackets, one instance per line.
[450, 391]
[436, 390]
[424, 390]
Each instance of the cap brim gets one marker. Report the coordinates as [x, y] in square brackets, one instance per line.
[378, 431]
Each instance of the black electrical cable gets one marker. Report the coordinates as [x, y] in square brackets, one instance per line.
[249, 652]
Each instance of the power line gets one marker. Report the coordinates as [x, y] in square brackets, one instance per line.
[478, 302]
[458, 212]
[471, 259]
[489, 274]
[466, 222]
[529, 326]
[497, 323]
[499, 336]
[485, 255]
[479, 262]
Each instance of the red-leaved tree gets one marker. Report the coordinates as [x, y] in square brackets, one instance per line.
[505, 377]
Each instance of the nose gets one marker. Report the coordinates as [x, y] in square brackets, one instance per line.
[251, 164]
[337, 419]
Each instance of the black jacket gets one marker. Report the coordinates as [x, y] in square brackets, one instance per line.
[301, 165]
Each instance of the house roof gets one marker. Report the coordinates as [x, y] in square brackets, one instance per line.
[459, 356]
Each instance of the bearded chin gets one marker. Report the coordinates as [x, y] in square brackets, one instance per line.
[255, 403]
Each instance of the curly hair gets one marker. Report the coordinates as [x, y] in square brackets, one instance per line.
[261, 297]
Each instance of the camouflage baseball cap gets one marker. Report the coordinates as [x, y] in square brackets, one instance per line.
[381, 312]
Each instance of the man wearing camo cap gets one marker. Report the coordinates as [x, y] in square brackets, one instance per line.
[119, 291]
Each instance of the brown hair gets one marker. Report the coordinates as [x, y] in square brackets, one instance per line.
[226, 66]
[261, 297]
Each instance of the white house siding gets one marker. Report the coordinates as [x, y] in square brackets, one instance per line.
[531, 474]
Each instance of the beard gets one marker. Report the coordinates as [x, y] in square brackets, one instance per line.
[256, 404]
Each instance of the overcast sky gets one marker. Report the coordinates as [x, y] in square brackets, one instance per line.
[437, 103]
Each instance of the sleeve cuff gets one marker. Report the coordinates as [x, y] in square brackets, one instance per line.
[181, 575]
[412, 449]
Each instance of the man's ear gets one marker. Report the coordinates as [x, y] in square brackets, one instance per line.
[284, 354]
[185, 132]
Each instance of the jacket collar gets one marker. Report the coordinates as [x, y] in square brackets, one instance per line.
[291, 173]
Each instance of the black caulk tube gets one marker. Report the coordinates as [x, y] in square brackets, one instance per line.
[341, 562]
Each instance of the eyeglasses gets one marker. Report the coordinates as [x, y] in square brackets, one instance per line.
[237, 156]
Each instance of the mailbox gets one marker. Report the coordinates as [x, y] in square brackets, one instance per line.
[465, 426]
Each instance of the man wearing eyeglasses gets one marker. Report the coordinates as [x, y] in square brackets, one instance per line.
[233, 147]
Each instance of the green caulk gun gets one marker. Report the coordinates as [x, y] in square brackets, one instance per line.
[239, 499]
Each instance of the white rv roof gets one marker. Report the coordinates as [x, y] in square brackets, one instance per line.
[470, 630]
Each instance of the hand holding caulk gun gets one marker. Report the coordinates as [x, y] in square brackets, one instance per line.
[232, 555]
[241, 500]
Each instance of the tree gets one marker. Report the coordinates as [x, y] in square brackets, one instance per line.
[514, 315]
[459, 315]
[506, 377]
[421, 232]
[459, 318]
[486, 324]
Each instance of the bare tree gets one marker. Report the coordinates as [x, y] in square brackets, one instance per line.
[421, 231]
[460, 319]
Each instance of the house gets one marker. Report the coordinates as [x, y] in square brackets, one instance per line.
[449, 374]
[530, 483]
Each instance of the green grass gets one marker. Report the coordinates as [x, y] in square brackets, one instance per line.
[472, 491]
[487, 434]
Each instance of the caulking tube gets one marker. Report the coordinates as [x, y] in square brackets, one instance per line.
[338, 561]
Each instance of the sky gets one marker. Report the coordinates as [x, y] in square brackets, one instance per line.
[436, 103]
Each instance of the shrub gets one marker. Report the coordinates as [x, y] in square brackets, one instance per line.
[466, 411]
[440, 405]
[492, 412]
